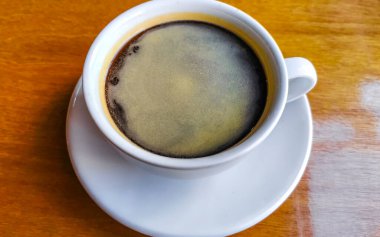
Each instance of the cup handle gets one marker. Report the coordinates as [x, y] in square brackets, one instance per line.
[301, 75]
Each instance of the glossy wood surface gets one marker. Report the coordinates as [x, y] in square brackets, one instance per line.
[42, 49]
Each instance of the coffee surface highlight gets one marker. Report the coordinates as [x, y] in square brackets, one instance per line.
[186, 89]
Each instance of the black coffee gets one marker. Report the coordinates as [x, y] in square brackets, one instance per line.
[186, 89]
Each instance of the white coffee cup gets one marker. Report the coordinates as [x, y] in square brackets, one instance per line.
[290, 78]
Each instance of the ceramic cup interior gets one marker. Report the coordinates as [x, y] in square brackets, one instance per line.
[128, 24]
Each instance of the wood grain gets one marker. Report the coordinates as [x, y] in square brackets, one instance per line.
[42, 49]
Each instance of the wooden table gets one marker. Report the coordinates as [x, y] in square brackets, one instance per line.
[42, 49]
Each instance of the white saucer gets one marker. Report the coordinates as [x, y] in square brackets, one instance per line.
[219, 205]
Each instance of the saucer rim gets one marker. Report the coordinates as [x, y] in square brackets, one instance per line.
[223, 232]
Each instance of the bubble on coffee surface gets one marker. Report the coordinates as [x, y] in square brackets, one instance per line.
[186, 89]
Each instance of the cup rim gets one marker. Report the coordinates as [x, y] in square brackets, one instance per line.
[225, 156]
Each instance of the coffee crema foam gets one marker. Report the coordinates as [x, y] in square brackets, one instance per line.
[186, 89]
